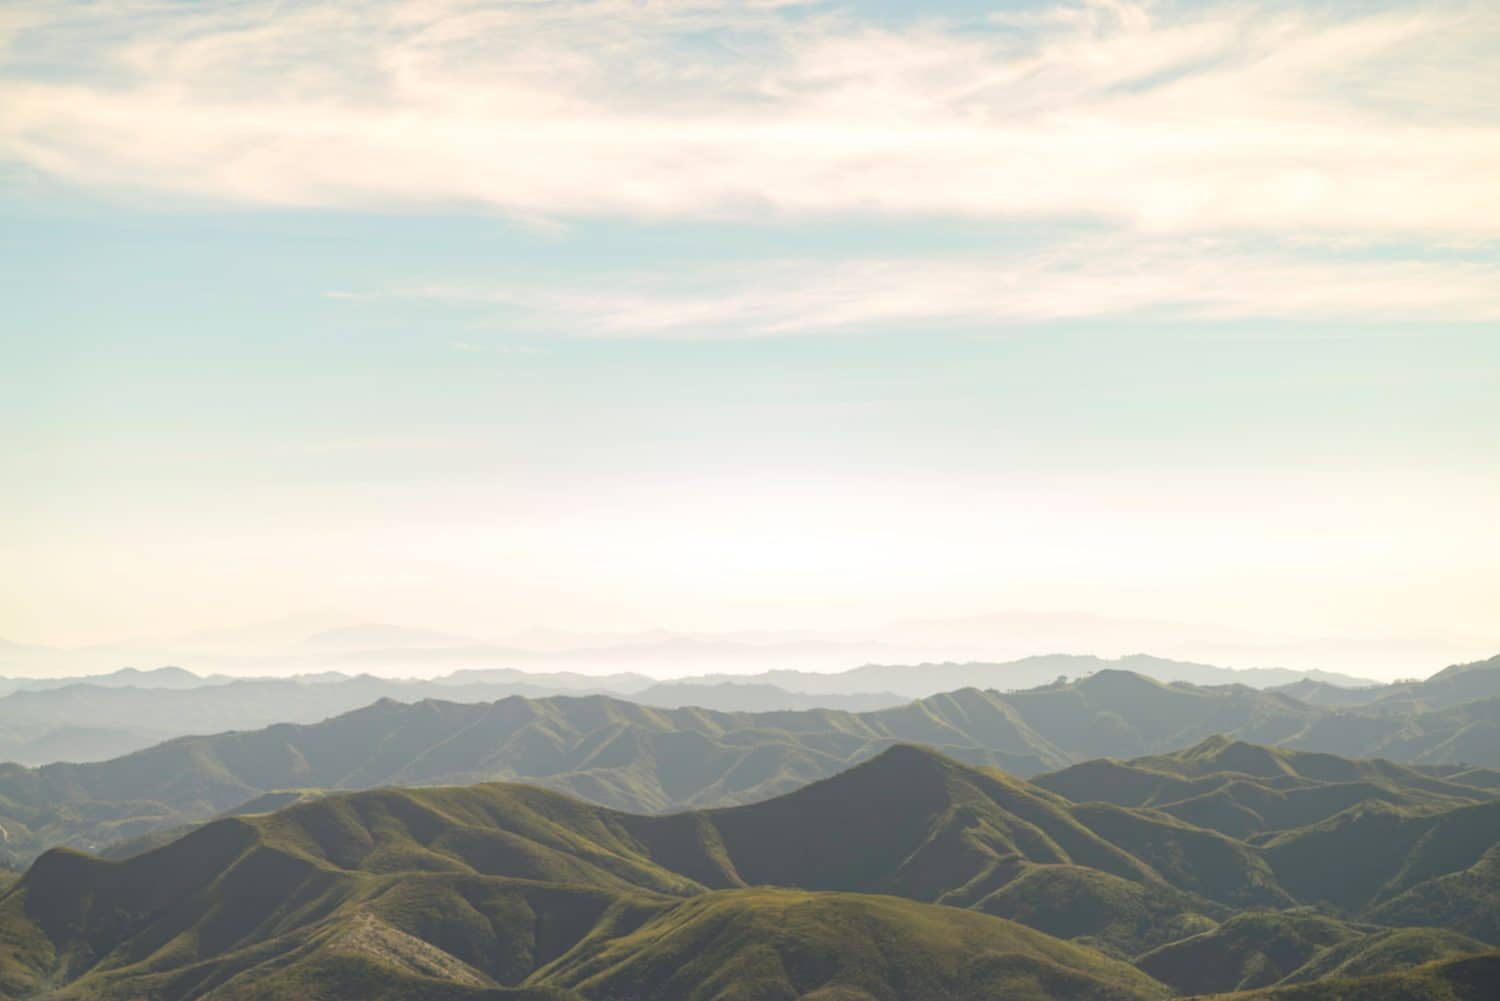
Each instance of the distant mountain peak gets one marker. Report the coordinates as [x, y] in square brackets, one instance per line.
[1239, 756]
[1493, 663]
[1115, 679]
[1209, 747]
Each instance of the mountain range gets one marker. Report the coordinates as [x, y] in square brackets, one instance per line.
[94, 721]
[97, 718]
[645, 759]
[908, 877]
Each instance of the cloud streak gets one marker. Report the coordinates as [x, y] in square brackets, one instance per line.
[1159, 121]
[1178, 280]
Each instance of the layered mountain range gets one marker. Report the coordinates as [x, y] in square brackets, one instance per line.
[1106, 837]
[909, 876]
[646, 759]
[99, 717]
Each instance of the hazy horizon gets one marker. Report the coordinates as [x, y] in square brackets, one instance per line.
[321, 641]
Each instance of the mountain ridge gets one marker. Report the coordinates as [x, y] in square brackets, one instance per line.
[648, 759]
[469, 891]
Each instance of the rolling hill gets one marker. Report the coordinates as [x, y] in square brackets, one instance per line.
[924, 679]
[888, 880]
[1261, 949]
[1468, 978]
[80, 719]
[1242, 789]
[605, 750]
[450, 892]
[93, 721]
[1450, 687]
[644, 759]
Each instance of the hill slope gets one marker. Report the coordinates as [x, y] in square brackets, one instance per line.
[87, 720]
[1388, 844]
[608, 751]
[891, 880]
[644, 759]
[1471, 978]
[1245, 790]
[1453, 685]
[454, 891]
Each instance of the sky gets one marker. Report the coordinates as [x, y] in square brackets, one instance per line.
[716, 316]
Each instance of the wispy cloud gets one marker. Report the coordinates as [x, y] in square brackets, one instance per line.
[1271, 118]
[1199, 279]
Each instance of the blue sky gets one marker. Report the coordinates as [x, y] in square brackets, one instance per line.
[711, 316]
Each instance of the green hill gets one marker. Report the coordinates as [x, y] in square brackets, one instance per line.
[496, 885]
[1386, 951]
[1115, 915]
[1244, 789]
[751, 945]
[604, 750]
[642, 759]
[1447, 688]
[910, 875]
[1466, 900]
[1450, 687]
[1264, 949]
[1470, 978]
[1119, 713]
[1369, 839]
[1372, 854]
[1247, 951]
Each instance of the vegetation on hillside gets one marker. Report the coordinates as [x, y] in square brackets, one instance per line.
[910, 876]
[643, 759]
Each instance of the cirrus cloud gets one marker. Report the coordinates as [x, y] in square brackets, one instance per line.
[1196, 279]
[1273, 118]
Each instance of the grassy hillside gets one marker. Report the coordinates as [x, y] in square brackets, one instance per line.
[909, 876]
[1374, 853]
[1465, 900]
[1449, 687]
[1264, 949]
[604, 750]
[93, 719]
[750, 945]
[1245, 790]
[644, 759]
[1386, 951]
[1247, 951]
[496, 885]
[1369, 839]
[1115, 915]
[1471, 978]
